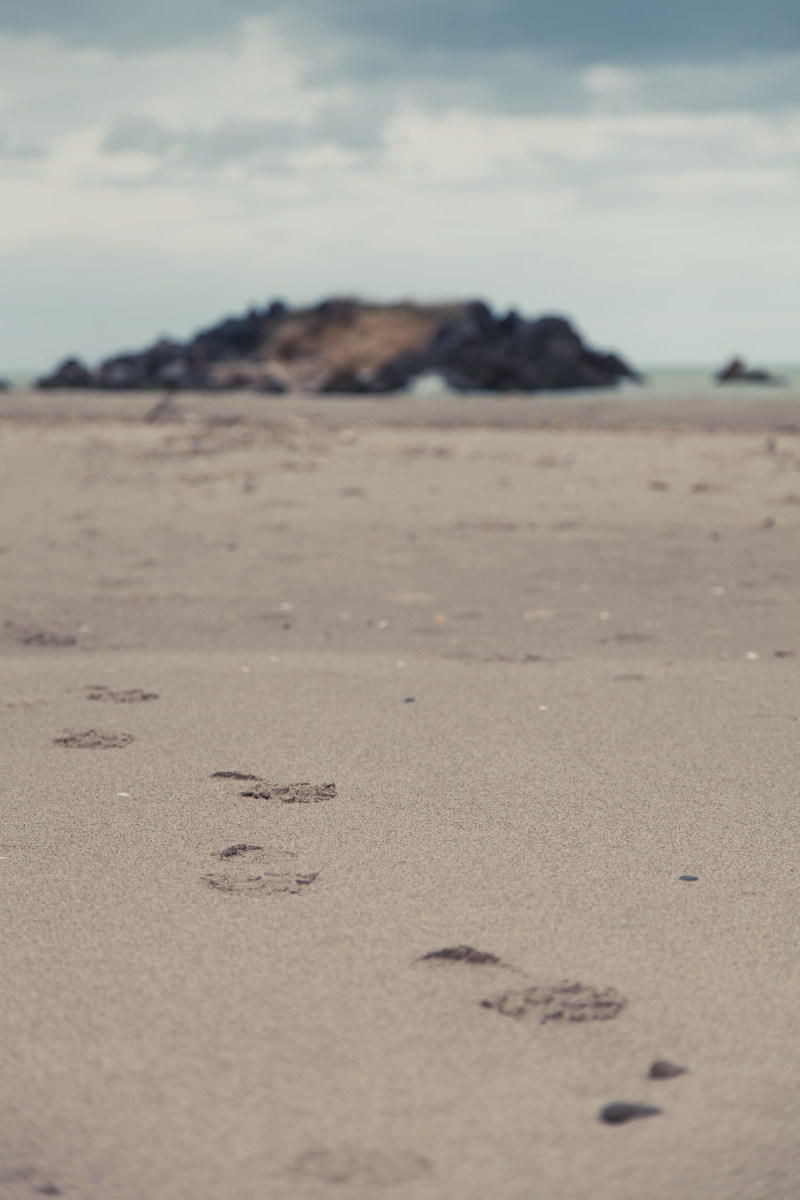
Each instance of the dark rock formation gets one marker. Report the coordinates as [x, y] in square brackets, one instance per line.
[343, 345]
[738, 372]
[71, 373]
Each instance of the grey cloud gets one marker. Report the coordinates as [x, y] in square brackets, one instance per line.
[580, 30]
[584, 29]
[522, 81]
[124, 26]
[11, 147]
[354, 126]
[756, 81]
[262, 142]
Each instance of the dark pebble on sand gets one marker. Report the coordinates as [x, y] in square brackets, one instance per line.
[409, 700]
[661, 1069]
[621, 1111]
[689, 878]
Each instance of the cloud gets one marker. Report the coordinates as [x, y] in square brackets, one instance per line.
[12, 148]
[617, 31]
[643, 198]
[261, 144]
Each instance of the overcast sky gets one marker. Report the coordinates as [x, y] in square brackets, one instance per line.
[633, 166]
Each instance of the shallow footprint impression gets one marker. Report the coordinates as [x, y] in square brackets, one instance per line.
[294, 793]
[463, 954]
[267, 870]
[354, 1164]
[131, 696]
[243, 775]
[27, 1181]
[94, 739]
[561, 1002]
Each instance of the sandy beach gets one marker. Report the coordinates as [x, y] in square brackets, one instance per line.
[536, 670]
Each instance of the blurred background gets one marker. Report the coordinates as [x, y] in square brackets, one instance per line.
[633, 166]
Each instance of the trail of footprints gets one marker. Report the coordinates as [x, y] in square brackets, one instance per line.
[563, 1003]
[103, 739]
[249, 869]
[266, 870]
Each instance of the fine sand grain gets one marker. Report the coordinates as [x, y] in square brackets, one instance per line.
[397, 809]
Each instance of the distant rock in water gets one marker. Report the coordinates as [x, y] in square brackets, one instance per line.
[737, 371]
[344, 345]
[71, 374]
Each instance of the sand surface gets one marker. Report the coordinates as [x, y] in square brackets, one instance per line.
[548, 670]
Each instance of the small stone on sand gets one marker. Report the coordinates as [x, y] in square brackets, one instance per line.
[661, 1069]
[621, 1111]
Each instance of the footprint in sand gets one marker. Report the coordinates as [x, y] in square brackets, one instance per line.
[463, 954]
[294, 793]
[52, 641]
[28, 1181]
[354, 1164]
[94, 739]
[565, 1002]
[236, 775]
[265, 869]
[50, 638]
[132, 696]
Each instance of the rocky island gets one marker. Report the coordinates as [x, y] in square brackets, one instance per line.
[345, 345]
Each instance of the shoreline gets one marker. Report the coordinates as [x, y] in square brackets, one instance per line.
[763, 411]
